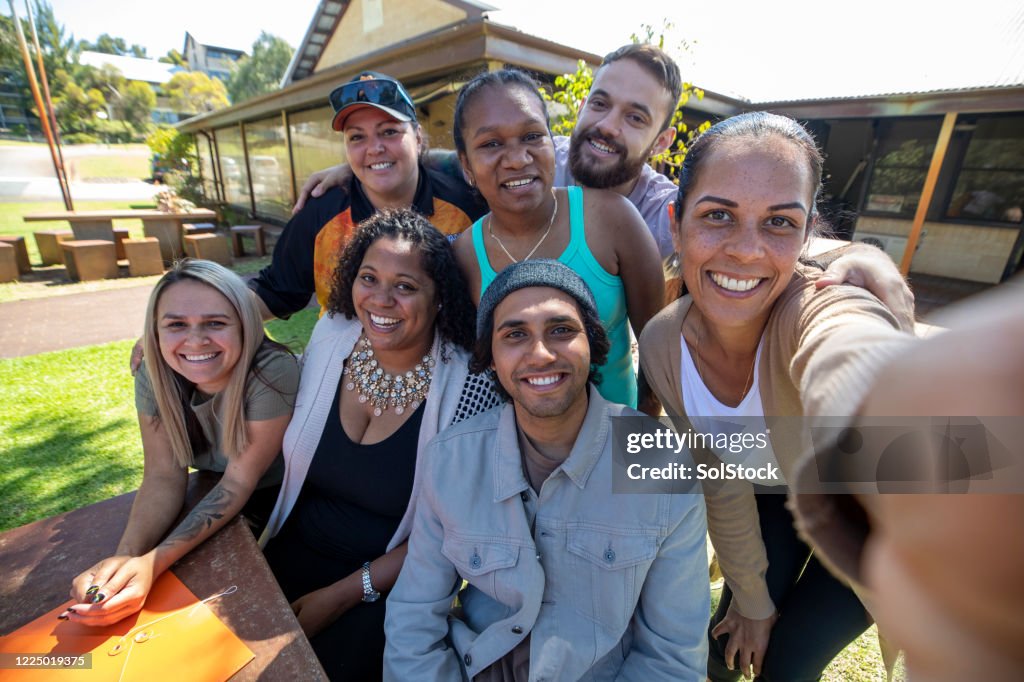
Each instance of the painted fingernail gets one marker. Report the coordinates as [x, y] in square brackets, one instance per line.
[92, 590]
[63, 616]
[97, 598]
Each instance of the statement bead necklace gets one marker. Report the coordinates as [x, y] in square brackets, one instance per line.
[551, 221]
[383, 390]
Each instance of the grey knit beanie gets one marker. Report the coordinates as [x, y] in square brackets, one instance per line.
[541, 272]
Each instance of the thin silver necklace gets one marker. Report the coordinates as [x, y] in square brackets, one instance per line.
[554, 212]
[700, 340]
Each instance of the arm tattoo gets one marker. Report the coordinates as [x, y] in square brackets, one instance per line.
[209, 510]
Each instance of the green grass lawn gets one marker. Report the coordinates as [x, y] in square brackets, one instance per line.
[68, 431]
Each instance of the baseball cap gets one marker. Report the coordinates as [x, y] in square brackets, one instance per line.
[371, 89]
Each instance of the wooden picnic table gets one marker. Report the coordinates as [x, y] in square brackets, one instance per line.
[164, 225]
[40, 559]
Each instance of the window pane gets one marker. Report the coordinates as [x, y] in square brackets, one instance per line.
[990, 185]
[232, 166]
[902, 157]
[315, 145]
[206, 167]
[269, 167]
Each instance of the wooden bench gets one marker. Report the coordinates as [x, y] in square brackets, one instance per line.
[8, 263]
[238, 232]
[163, 225]
[48, 243]
[20, 251]
[143, 257]
[208, 247]
[89, 259]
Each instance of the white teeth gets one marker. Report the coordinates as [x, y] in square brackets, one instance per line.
[601, 147]
[383, 321]
[383, 165]
[200, 358]
[735, 284]
[518, 183]
[543, 381]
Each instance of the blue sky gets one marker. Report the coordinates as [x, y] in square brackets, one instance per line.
[759, 49]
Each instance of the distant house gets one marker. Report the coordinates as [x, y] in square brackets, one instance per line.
[149, 71]
[212, 60]
[14, 105]
[962, 145]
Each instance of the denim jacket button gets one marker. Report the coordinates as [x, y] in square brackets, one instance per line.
[467, 659]
[524, 496]
[609, 555]
[517, 629]
[475, 561]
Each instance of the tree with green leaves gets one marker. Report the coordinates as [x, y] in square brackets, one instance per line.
[174, 57]
[193, 92]
[262, 72]
[138, 100]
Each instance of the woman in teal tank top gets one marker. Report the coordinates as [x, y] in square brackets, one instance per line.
[618, 380]
[506, 151]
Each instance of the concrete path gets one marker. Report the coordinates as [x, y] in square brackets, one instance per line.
[60, 322]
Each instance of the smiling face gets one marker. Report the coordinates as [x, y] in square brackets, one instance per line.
[743, 227]
[383, 154]
[540, 352]
[395, 300]
[509, 155]
[199, 333]
[619, 127]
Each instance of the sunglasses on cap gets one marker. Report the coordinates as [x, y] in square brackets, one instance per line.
[380, 92]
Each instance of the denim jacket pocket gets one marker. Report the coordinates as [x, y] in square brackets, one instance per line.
[478, 559]
[610, 567]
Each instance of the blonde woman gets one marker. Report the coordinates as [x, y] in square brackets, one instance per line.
[215, 394]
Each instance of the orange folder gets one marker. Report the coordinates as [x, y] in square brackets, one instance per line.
[191, 644]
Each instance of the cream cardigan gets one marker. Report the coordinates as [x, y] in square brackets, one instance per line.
[821, 351]
[331, 343]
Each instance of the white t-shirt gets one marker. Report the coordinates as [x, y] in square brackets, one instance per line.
[709, 415]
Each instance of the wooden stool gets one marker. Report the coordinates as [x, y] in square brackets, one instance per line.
[254, 231]
[199, 228]
[208, 247]
[20, 251]
[89, 259]
[120, 234]
[48, 243]
[8, 263]
[143, 256]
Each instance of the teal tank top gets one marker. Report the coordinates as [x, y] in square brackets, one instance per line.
[618, 380]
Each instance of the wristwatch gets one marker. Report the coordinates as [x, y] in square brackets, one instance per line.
[370, 595]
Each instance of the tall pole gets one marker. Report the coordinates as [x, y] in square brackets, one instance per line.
[46, 95]
[941, 145]
[43, 118]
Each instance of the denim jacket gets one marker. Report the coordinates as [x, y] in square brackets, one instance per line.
[607, 586]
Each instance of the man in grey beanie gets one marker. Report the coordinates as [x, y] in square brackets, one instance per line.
[565, 580]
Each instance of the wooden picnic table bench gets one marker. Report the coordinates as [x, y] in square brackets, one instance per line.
[165, 226]
[41, 558]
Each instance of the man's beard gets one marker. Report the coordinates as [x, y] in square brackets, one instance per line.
[623, 170]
